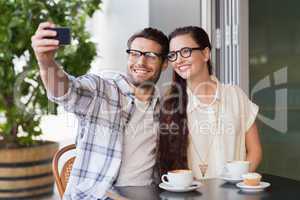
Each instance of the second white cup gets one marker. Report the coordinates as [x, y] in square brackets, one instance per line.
[236, 169]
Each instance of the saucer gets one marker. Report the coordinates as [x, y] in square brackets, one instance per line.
[248, 188]
[195, 185]
[230, 179]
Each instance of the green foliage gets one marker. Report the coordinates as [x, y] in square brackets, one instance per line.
[23, 99]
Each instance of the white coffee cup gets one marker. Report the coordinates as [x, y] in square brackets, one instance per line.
[236, 169]
[178, 178]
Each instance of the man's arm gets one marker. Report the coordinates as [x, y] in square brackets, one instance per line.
[253, 146]
[53, 77]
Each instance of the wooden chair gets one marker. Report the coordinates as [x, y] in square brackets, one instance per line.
[62, 177]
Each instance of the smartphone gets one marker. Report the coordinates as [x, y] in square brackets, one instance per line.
[63, 35]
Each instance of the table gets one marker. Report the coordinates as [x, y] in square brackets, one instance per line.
[216, 189]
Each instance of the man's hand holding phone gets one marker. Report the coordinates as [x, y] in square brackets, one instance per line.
[46, 41]
[63, 35]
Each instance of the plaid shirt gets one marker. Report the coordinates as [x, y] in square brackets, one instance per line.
[103, 107]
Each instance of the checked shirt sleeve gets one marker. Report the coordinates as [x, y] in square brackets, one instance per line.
[79, 96]
[98, 153]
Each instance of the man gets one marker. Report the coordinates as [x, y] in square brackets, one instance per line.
[118, 116]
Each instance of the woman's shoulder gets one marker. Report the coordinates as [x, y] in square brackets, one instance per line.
[229, 89]
[234, 94]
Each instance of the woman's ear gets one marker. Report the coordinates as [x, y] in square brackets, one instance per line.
[206, 54]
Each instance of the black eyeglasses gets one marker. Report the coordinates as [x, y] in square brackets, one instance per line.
[150, 56]
[185, 52]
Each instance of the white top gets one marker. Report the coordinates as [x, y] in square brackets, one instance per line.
[139, 147]
[216, 146]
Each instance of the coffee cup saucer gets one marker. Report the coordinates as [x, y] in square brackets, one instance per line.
[247, 188]
[230, 179]
[195, 185]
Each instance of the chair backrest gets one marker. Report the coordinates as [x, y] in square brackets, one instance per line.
[62, 177]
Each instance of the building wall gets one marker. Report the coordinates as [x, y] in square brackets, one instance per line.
[169, 14]
[112, 26]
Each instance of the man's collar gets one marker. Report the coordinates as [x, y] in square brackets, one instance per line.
[130, 91]
[153, 99]
[126, 87]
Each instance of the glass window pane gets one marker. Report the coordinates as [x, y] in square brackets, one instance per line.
[274, 42]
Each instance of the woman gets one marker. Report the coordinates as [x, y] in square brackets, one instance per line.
[204, 123]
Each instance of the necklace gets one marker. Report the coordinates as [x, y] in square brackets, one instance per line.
[204, 163]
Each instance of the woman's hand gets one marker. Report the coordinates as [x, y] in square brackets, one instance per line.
[253, 147]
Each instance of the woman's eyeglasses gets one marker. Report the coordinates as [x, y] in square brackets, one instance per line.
[185, 52]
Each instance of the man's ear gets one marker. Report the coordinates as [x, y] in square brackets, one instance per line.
[165, 65]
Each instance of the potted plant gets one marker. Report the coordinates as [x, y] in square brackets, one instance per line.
[25, 161]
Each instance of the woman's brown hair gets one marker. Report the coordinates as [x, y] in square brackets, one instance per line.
[173, 118]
